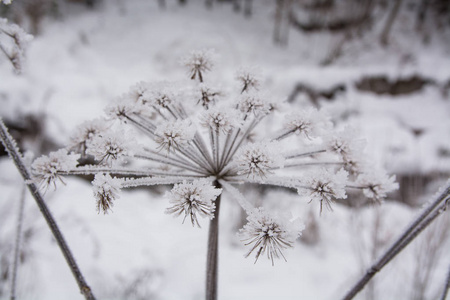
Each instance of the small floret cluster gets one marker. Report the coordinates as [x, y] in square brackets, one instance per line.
[204, 142]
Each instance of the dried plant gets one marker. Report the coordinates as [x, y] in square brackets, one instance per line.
[204, 147]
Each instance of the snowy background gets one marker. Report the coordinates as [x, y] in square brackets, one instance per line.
[83, 58]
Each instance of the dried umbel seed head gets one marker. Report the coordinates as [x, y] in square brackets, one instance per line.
[47, 169]
[198, 63]
[161, 95]
[266, 233]
[173, 136]
[193, 199]
[219, 120]
[248, 78]
[377, 184]
[86, 132]
[253, 103]
[106, 190]
[111, 147]
[259, 159]
[308, 123]
[324, 186]
[207, 96]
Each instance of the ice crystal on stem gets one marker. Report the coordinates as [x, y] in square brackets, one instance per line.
[206, 146]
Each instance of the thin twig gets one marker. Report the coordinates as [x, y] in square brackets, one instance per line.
[15, 264]
[446, 287]
[10, 146]
[417, 226]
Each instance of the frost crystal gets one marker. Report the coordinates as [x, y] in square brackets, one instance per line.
[258, 159]
[111, 146]
[174, 135]
[47, 169]
[324, 186]
[106, 190]
[193, 199]
[377, 184]
[266, 233]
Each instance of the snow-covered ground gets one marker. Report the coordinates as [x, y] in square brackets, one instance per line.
[82, 62]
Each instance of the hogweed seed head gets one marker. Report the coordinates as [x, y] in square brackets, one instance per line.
[47, 169]
[198, 63]
[219, 120]
[249, 78]
[259, 159]
[111, 147]
[224, 153]
[173, 136]
[193, 199]
[106, 190]
[86, 132]
[267, 233]
[207, 96]
[377, 184]
[324, 186]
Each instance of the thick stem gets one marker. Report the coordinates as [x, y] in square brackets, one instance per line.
[418, 225]
[212, 255]
[10, 146]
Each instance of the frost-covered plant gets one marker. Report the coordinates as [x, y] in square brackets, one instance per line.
[204, 148]
[13, 42]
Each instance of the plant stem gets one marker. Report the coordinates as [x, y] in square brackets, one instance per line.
[418, 225]
[212, 255]
[17, 244]
[10, 146]
[447, 286]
